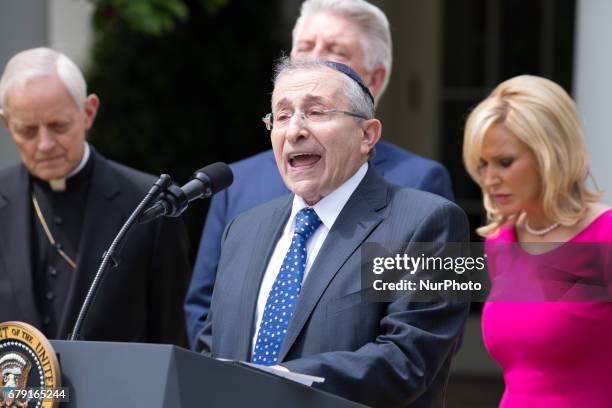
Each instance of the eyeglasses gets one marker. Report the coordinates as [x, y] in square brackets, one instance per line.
[282, 119]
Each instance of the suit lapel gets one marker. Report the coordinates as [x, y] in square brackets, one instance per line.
[358, 218]
[102, 220]
[15, 242]
[270, 228]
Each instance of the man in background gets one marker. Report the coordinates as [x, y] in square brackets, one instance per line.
[353, 32]
[61, 208]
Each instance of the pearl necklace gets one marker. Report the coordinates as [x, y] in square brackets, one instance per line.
[541, 232]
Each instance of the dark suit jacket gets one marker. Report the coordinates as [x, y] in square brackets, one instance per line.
[140, 300]
[257, 180]
[380, 354]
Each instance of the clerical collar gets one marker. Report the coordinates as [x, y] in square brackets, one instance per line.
[60, 184]
[78, 176]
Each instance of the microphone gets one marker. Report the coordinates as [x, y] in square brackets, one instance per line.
[173, 200]
[203, 184]
[160, 185]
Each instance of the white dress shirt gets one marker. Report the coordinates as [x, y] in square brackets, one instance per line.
[328, 209]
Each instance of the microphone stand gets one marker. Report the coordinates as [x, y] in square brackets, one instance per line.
[160, 185]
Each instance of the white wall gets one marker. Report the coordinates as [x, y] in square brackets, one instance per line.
[593, 85]
[23, 24]
[69, 31]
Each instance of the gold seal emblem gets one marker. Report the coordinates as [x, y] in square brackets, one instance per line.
[28, 367]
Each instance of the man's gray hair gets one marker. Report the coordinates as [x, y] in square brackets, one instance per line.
[376, 39]
[360, 102]
[39, 62]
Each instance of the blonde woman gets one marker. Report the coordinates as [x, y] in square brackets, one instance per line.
[523, 145]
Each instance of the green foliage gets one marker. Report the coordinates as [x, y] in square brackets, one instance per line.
[211, 6]
[153, 17]
[175, 102]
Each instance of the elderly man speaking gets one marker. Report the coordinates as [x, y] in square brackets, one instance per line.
[288, 288]
[355, 33]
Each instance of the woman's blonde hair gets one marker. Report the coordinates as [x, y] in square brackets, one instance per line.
[544, 117]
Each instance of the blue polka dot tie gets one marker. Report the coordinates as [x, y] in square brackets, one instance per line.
[285, 291]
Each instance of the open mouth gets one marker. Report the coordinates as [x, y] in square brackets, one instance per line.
[304, 159]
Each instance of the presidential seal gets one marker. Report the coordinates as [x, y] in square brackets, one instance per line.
[29, 367]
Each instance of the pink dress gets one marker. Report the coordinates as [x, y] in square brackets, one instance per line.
[553, 354]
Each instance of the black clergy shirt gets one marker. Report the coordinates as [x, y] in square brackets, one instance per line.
[63, 212]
